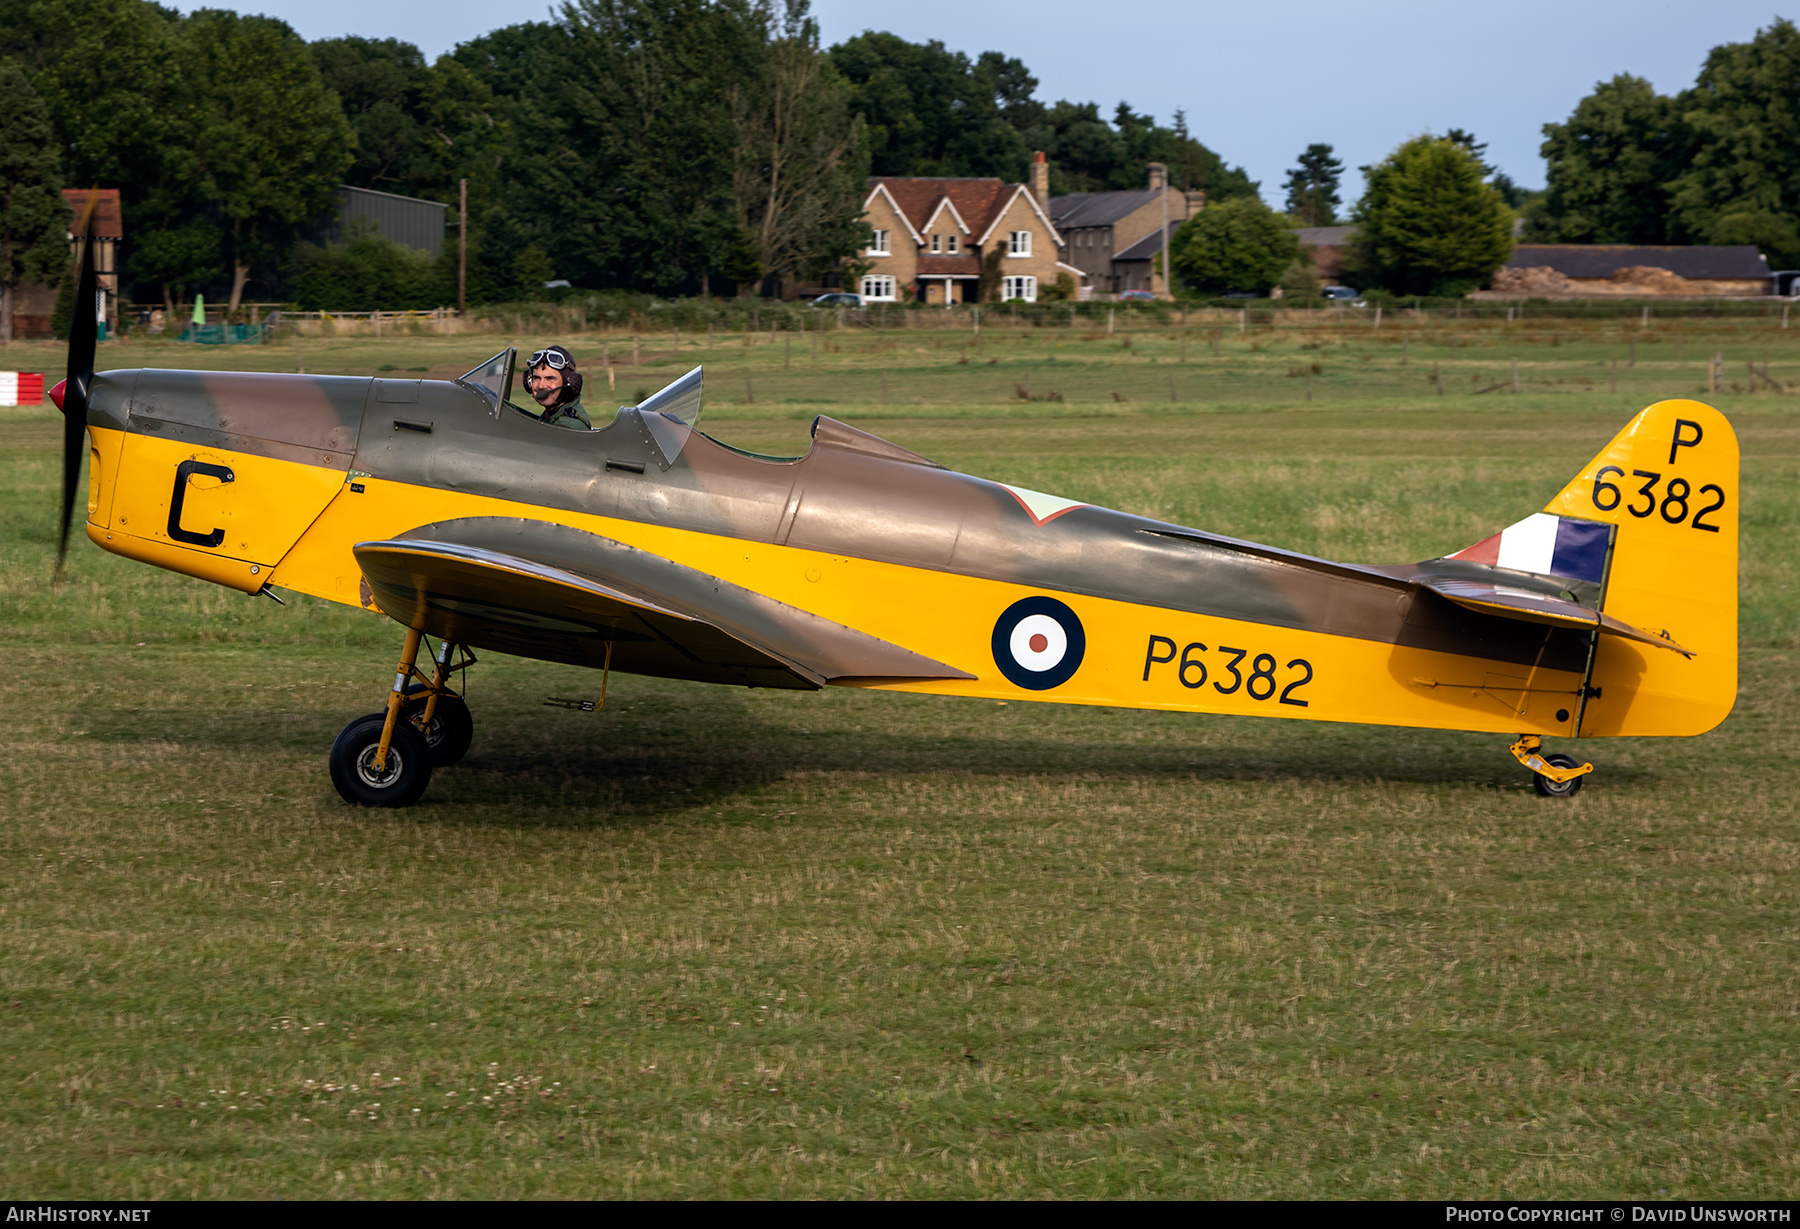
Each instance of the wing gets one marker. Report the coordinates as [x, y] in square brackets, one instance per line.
[1510, 603]
[658, 617]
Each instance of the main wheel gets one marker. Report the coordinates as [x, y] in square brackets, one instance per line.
[1559, 789]
[451, 727]
[401, 779]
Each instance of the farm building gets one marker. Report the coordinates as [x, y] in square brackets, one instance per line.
[33, 305]
[1553, 270]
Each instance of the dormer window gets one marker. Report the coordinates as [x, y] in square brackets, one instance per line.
[937, 244]
[950, 244]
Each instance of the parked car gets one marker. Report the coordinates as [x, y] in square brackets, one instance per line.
[1338, 292]
[839, 298]
[1136, 296]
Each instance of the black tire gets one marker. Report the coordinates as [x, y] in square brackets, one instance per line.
[407, 772]
[452, 727]
[1559, 789]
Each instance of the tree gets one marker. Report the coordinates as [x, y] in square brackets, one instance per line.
[1312, 187]
[1477, 149]
[626, 176]
[1738, 179]
[270, 141]
[1608, 165]
[418, 128]
[112, 80]
[931, 111]
[365, 273]
[801, 157]
[1237, 245]
[34, 218]
[1427, 224]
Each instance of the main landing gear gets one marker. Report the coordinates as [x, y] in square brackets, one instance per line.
[385, 759]
[1555, 776]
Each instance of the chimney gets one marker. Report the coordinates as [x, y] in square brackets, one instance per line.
[1040, 181]
[1159, 176]
[1196, 201]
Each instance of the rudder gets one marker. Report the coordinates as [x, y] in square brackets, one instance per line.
[1669, 481]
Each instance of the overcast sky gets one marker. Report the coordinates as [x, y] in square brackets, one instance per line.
[1259, 82]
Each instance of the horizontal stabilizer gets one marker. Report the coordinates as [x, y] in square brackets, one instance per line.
[1511, 603]
[594, 600]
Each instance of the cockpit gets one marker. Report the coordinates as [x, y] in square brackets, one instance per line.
[670, 415]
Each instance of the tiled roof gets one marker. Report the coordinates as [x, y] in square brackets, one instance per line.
[949, 266]
[107, 222]
[1097, 208]
[976, 200]
[1147, 247]
[1325, 236]
[1604, 259]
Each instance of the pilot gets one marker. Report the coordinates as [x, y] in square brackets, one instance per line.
[553, 382]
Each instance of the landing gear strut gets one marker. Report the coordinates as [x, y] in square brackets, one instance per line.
[1554, 776]
[385, 759]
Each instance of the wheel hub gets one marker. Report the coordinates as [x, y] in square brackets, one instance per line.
[379, 778]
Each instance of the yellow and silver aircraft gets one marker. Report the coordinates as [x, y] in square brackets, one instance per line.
[648, 547]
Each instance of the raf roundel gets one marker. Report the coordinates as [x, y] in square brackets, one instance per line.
[1039, 643]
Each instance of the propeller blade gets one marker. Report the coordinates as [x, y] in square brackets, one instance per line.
[84, 334]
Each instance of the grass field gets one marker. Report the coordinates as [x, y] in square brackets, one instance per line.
[713, 943]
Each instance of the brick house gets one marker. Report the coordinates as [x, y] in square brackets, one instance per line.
[930, 235]
[1115, 237]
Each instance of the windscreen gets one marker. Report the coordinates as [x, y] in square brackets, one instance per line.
[493, 379]
[673, 414]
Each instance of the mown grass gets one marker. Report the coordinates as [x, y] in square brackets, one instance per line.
[711, 942]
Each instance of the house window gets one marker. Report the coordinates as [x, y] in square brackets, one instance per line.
[950, 244]
[937, 244]
[878, 244]
[1020, 244]
[878, 288]
[1019, 287]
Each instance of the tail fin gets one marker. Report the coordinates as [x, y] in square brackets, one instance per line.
[1669, 482]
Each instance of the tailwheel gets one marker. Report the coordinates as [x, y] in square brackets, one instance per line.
[364, 777]
[1554, 776]
[450, 729]
[1547, 788]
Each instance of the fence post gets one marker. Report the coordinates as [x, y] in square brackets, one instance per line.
[1378, 315]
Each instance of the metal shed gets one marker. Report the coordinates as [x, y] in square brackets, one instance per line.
[405, 220]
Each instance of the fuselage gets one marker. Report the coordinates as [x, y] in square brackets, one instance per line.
[250, 480]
